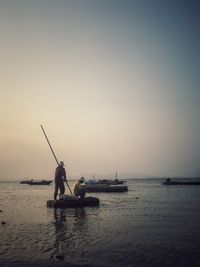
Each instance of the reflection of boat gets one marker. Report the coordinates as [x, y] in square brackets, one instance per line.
[36, 182]
[192, 182]
[70, 202]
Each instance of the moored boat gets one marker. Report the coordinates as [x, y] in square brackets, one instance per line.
[110, 182]
[105, 186]
[36, 182]
[170, 182]
[25, 182]
[42, 182]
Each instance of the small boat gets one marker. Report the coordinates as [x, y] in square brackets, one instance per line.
[105, 186]
[36, 182]
[115, 181]
[25, 182]
[72, 202]
[111, 182]
[170, 182]
[42, 182]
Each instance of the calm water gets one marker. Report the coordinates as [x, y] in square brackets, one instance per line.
[150, 225]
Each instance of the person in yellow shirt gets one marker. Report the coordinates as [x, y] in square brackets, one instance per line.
[79, 188]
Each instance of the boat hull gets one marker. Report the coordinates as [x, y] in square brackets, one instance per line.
[40, 183]
[36, 182]
[25, 182]
[181, 183]
[106, 188]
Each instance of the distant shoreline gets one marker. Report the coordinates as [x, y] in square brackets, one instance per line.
[74, 179]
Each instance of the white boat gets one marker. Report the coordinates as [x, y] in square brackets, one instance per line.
[106, 185]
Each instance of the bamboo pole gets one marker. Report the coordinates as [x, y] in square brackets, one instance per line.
[54, 154]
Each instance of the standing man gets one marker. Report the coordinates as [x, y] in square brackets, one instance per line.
[60, 177]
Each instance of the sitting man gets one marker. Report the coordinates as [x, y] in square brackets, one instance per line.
[79, 188]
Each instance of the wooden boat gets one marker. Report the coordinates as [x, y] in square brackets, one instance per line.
[170, 182]
[72, 202]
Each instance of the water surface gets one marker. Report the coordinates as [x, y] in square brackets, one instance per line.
[150, 225]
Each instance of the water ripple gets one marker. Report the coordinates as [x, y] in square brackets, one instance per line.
[147, 226]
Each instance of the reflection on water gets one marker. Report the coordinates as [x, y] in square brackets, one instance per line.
[150, 225]
[67, 224]
[60, 232]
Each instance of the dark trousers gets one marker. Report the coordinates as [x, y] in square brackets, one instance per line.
[82, 194]
[59, 185]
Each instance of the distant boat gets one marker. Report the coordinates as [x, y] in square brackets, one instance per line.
[106, 185]
[115, 181]
[36, 182]
[107, 188]
[170, 182]
[25, 182]
[110, 182]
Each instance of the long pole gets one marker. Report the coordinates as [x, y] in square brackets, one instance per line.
[54, 155]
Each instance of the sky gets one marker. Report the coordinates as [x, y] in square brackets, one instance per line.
[115, 84]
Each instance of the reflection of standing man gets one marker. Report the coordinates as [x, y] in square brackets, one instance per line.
[60, 177]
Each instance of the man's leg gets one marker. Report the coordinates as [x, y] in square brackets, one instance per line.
[56, 191]
[62, 188]
[82, 194]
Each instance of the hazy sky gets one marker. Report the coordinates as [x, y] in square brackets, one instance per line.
[115, 84]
